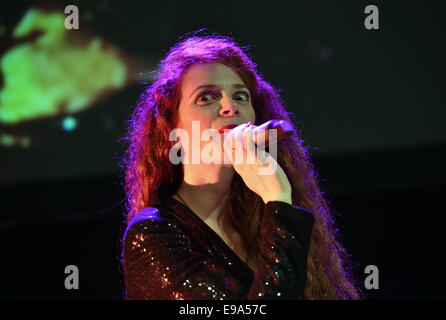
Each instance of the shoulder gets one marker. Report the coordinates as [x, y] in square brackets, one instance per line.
[151, 220]
[146, 214]
[154, 233]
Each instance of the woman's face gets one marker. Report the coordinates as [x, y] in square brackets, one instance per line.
[214, 95]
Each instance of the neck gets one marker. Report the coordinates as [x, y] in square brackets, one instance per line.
[205, 189]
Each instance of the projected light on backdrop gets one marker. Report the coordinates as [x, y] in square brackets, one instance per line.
[50, 76]
[53, 79]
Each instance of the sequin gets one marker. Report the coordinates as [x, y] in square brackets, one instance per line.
[170, 253]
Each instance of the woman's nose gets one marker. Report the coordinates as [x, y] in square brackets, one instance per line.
[228, 108]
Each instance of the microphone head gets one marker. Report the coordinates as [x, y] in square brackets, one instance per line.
[261, 133]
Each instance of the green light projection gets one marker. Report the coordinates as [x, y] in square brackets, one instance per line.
[51, 76]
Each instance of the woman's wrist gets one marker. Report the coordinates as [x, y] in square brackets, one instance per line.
[282, 197]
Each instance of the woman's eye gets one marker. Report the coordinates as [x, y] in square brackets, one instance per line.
[244, 95]
[205, 97]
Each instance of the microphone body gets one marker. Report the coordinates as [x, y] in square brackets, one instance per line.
[284, 128]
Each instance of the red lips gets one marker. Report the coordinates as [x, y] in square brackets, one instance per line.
[229, 126]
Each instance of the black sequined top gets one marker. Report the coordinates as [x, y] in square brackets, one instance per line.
[171, 253]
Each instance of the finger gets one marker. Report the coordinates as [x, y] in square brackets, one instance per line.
[237, 146]
[229, 147]
[244, 133]
[262, 157]
[249, 145]
[239, 128]
[234, 131]
[232, 143]
[236, 136]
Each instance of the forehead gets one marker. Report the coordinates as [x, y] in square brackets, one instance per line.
[215, 73]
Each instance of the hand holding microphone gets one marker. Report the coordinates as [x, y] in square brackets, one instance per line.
[264, 176]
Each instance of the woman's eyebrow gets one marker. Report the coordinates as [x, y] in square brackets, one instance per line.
[213, 86]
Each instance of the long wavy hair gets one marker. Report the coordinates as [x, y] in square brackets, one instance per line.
[148, 171]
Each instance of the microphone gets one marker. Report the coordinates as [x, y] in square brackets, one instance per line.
[284, 128]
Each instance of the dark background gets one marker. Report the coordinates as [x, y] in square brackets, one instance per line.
[369, 103]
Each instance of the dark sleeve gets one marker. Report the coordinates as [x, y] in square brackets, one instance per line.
[285, 241]
[161, 261]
